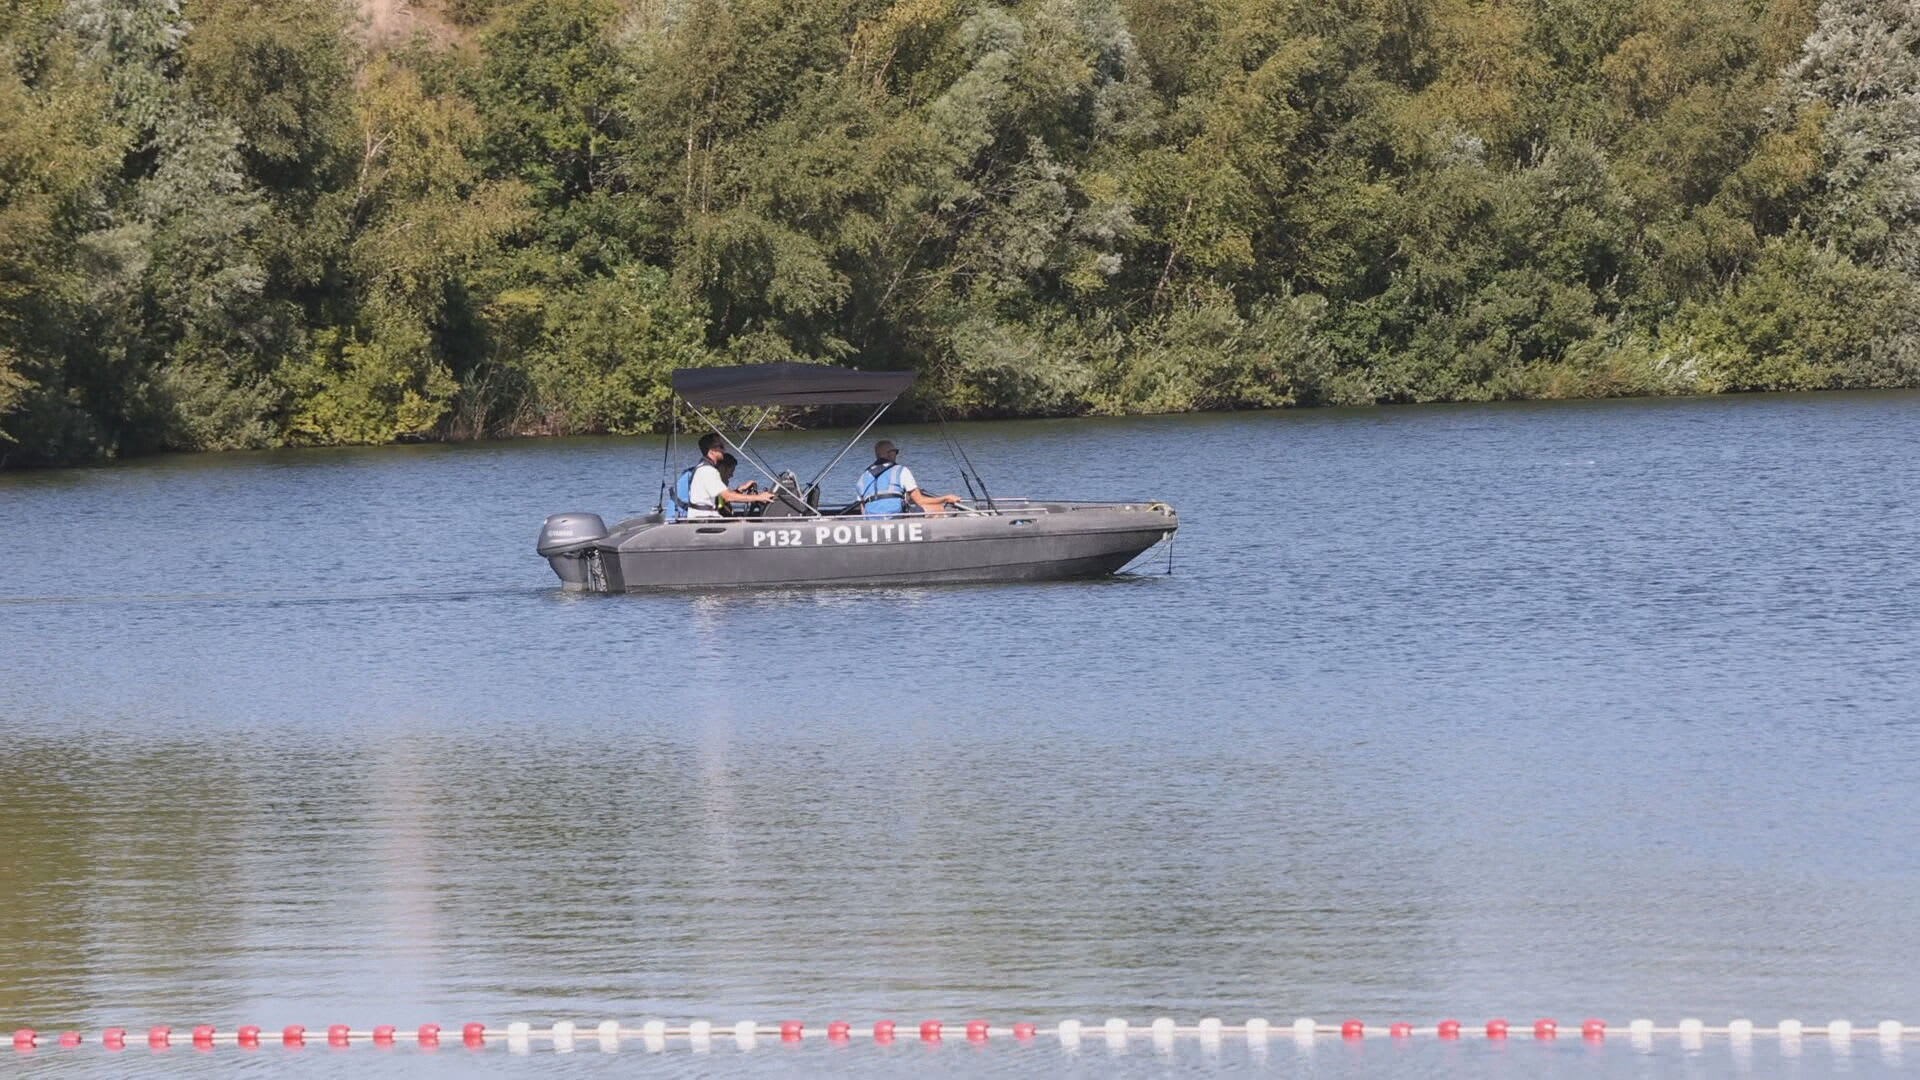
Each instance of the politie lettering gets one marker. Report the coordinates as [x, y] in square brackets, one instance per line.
[881, 532]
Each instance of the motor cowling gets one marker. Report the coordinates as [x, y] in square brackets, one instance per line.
[564, 531]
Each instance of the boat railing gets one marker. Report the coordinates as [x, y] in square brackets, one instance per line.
[1002, 507]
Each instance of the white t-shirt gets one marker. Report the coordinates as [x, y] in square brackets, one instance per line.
[905, 477]
[705, 487]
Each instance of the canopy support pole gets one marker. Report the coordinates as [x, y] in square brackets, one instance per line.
[755, 429]
[872, 420]
[758, 462]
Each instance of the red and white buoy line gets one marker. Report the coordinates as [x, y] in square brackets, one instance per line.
[657, 1035]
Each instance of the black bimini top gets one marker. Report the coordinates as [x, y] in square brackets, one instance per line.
[788, 384]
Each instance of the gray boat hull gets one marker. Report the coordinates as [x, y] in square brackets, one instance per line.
[1018, 541]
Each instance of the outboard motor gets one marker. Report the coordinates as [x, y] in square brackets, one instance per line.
[566, 540]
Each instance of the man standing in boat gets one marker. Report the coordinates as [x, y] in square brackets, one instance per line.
[698, 489]
[886, 486]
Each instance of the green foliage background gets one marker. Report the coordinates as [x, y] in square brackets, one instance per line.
[242, 223]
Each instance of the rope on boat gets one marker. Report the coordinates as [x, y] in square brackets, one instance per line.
[657, 1034]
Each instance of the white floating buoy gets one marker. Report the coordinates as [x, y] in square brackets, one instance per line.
[1740, 1030]
[1791, 1029]
[745, 1034]
[1640, 1027]
[1210, 1029]
[1116, 1026]
[1162, 1029]
[654, 1029]
[1692, 1027]
[1257, 1030]
[519, 1029]
[563, 1035]
[1069, 1031]
[700, 1031]
[1890, 1030]
[1840, 1030]
[1304, 1027]
[609, 1032]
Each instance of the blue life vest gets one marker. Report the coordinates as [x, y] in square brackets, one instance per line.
[683, 491]
[880, 491]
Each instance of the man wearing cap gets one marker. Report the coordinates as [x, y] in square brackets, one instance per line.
[886, 486]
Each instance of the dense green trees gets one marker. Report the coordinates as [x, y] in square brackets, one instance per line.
[230, 223]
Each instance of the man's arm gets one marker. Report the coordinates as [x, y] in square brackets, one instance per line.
[708, 488]
[932, 504]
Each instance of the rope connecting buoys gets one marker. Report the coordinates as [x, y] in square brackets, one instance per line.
[1117, 1031]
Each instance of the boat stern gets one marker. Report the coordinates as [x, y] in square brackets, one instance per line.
[567, 542]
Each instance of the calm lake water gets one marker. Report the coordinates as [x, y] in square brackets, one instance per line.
[1602, 709]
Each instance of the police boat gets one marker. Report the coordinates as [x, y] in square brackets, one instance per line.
[795, 540]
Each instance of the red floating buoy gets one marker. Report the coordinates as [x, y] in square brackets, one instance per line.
[70, 1038]
[1024, 1030]
[1449, 1029]
[1496, 1029]
[160, 1036]
[114, 1038]
[1545, 1029]
[474, 1034]
[203, 1035]
[1353, 1029]
[293, 1035]
[791, 1030]
[337, 1034]
[883, 1030]
[1594, 1029]
[839, 1031]
[24, 1038]
[429, 1034]
[383, 1035]
[976, 1029]
[1401, 1030]
[930, 1030]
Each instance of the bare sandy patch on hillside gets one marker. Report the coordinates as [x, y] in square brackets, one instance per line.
[395, 22]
